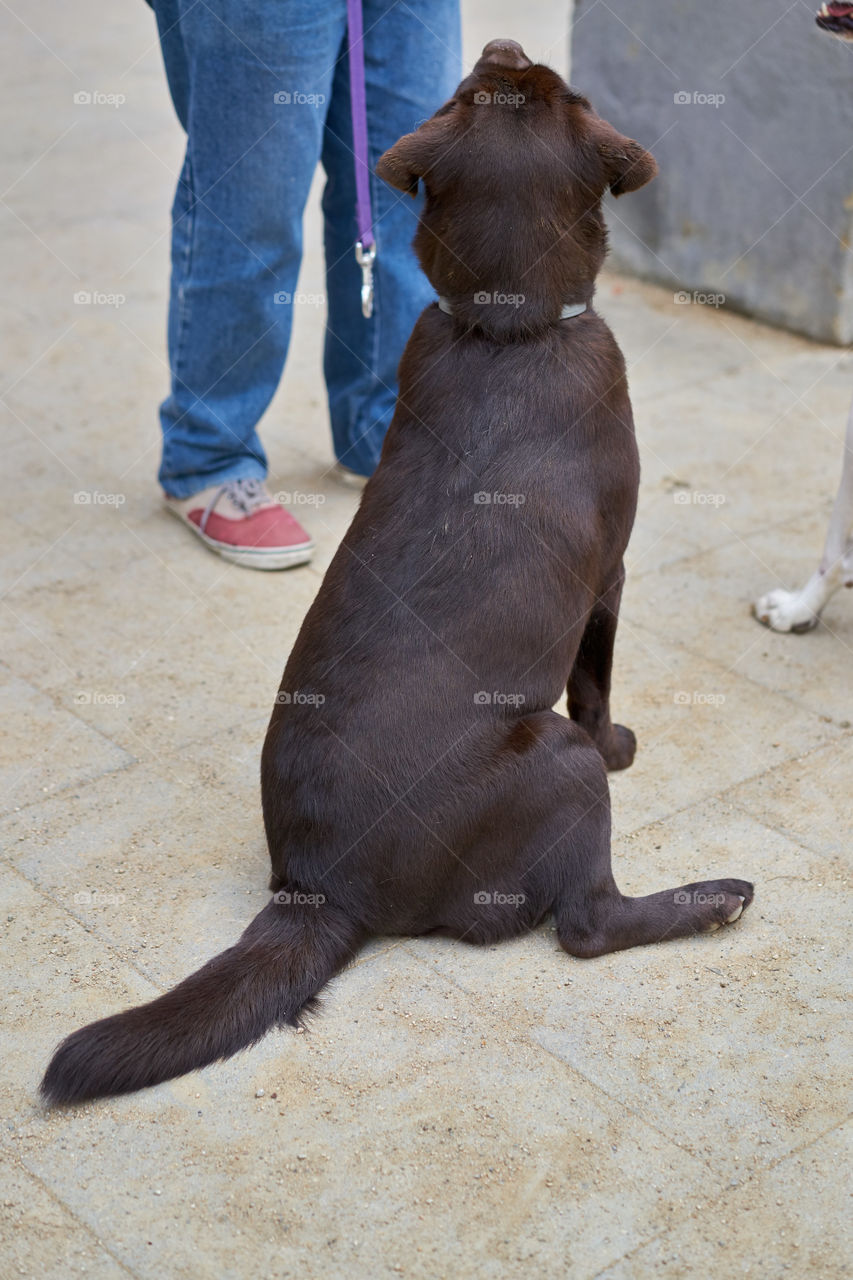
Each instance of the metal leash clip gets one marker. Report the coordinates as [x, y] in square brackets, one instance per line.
[365, 259]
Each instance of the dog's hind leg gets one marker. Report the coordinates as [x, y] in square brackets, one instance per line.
[609, 921]
[800, 610]
[592, 916]
[560, 796]
[589, 682]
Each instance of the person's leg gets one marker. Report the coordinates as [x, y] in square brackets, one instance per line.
[168, 15]
[412, 65]
[251, 84]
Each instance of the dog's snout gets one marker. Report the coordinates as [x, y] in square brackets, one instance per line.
[506, 53]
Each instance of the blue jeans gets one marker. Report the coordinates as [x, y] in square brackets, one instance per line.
[262, 90]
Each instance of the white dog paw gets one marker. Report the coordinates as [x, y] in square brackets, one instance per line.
[785, 611]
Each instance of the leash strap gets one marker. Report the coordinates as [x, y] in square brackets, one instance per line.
[365, 249]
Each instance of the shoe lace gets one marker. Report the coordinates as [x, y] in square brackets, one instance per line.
[247, 494]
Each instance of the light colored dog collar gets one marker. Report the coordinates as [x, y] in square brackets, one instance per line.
[569, 310]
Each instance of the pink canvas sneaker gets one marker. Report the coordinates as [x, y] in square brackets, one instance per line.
[241, 522]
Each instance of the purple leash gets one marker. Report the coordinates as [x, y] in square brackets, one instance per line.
[365, 248]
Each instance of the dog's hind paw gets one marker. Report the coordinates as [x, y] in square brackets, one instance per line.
[785, 611]
[721, 901]
[736, 913]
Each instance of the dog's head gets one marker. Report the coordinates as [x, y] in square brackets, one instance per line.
[514, 167]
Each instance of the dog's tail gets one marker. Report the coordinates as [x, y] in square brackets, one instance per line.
[267, 979]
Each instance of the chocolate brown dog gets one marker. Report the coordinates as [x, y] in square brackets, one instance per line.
[414, 776]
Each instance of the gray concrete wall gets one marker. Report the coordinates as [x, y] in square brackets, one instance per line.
[747, 108]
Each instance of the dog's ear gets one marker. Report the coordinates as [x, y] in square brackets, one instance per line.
[627, 165]
[404, 164]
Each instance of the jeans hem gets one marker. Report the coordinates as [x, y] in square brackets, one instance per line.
[186, 486]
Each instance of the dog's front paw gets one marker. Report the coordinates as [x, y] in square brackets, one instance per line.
[619, 749]
[785, 611]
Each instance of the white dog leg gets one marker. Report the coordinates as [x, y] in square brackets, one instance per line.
[800, 610]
